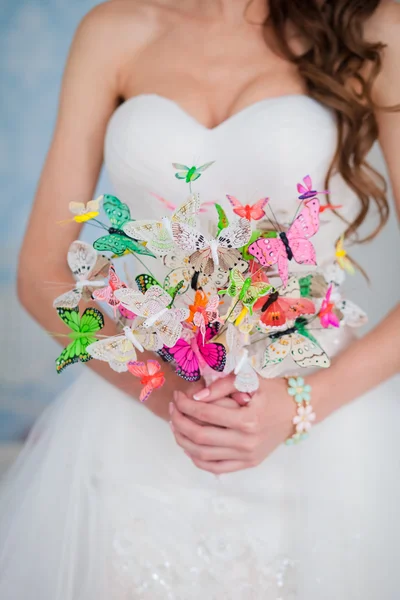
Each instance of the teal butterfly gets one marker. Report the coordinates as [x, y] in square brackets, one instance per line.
[190, 174]
[145, 281]
[84, 329]
[117, 241]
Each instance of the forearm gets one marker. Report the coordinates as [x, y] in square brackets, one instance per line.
[40, 307]
[363, 365]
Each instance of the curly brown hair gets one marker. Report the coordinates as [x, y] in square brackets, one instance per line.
[337, 55]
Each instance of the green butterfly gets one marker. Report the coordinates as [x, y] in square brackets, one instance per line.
[117, 241]
[244, 289]
[83, 333]
[190, 174]
[144, 281]
[222, 220]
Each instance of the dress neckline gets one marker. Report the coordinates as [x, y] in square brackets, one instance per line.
[239, 114]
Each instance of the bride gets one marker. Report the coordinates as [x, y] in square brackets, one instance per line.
[113, 500]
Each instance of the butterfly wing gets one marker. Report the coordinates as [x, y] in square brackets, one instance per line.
[119, 244]
[267, 251]
[169, 326]
[153, 367]
[144, 281]
[247, 379]
[117, 212]
[69, 300]
[235, 235]
[117, 351]
[306, 224]
[187, 213]
[77, 208]
[91, 321]
[187, 363]
[307, 353]
[81, 259]
[353, 315]
[205, 166]
[188, 238]
[237, 206]
[222, 219]
[213, 353]
[277, 351]
[257, 211]
[71, 317]
[68, 356]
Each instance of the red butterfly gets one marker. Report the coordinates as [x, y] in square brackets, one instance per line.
[151, 376]
[251, 213]
[285, 305]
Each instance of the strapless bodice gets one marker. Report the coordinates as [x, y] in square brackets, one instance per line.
[264, 150]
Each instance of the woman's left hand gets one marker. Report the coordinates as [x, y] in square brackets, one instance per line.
[230, 439]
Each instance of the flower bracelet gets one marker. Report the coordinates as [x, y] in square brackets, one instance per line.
[301, 394]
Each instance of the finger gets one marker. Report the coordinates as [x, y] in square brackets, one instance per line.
[220, 467]
[206, 435]
[219, 389]
[241, 398]
[206, 453]
[210, 413]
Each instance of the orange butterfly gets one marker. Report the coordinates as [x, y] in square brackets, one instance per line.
[150, 375]
[251, 213]
[204, 310]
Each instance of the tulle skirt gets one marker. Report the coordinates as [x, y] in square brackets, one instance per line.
[103, 505]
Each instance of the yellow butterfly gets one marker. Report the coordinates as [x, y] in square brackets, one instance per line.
[342, 259]
[85, 212]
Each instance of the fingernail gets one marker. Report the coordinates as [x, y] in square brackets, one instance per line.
[171, 408]
[202, 394]
[172, 426]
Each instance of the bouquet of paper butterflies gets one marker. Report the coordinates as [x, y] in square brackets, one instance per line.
[227, 302]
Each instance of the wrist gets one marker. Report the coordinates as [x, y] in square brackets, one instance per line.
[327, 395]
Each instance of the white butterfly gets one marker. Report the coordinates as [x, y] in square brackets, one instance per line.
[158, 234]
[305, 352]
[183, 270]
[118, 350]
[206, 253]
[153, 306]
[90, 271]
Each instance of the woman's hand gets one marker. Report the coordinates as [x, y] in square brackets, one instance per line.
[232, 438]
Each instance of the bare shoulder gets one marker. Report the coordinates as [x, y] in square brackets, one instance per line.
[136, 20]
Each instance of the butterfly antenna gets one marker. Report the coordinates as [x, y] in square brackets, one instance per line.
[275, 219]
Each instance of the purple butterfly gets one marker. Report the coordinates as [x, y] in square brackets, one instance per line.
[192, 356]
[306, 192]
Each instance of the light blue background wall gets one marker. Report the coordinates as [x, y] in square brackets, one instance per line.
[34, 40]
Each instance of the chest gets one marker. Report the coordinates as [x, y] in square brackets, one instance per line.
[211, 72]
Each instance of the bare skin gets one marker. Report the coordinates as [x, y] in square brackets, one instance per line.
[205, 57]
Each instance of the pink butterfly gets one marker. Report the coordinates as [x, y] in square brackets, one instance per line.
[326, 314]
[151, 376]
[251, 213]
[306, 192]
[106, 294]
[192, 356]
[292, 244]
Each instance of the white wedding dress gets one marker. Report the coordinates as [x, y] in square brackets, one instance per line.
[103, 505]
